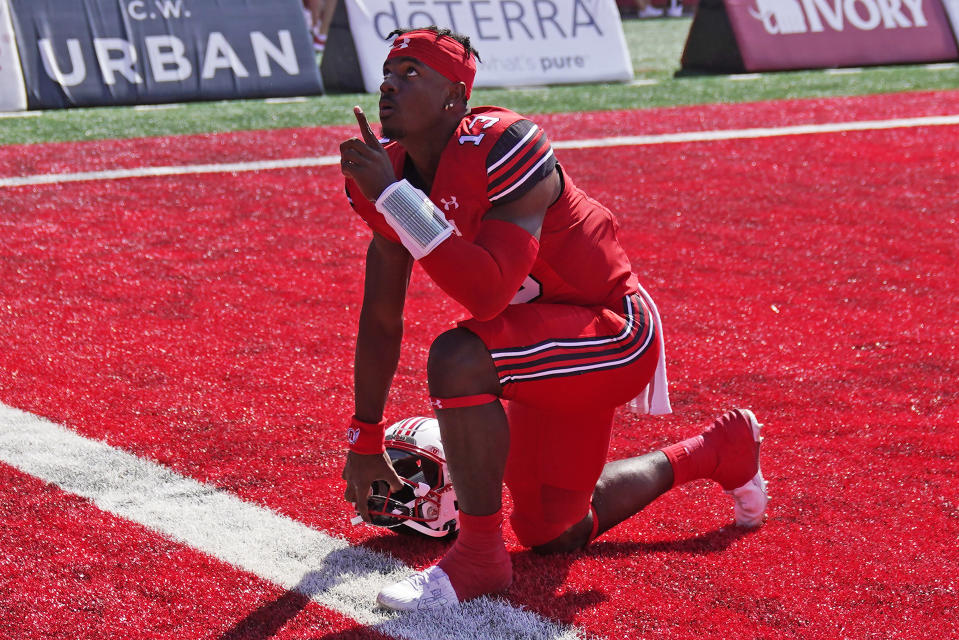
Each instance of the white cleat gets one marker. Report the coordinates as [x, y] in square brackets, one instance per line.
[429, 589]
[751, 498]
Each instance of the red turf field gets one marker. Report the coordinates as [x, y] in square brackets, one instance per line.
[205, 322]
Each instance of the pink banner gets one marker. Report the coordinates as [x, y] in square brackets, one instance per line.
[805, 34]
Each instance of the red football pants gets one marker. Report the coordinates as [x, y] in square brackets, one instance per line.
[564, 370]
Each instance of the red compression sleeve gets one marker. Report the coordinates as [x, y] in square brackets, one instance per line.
[485, 274]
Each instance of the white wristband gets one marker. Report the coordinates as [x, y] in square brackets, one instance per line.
[413, 216]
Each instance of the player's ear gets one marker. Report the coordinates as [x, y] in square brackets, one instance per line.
[456, 93]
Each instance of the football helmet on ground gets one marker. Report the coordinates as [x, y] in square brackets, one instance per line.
[427, 503]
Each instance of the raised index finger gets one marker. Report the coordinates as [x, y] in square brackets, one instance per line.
[368, 136]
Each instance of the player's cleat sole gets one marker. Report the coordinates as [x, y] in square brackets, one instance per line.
[750, 500]
[428, 589]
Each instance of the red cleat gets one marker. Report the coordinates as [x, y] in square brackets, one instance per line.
[736, 440]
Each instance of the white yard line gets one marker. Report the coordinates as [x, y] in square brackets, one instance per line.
[616, 141]
[290, 554]
[765, 132]
[290, 100]
[843, 71]
[158, 107]
[20, 114]
[172, 170]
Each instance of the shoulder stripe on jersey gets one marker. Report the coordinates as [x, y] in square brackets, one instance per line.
[518, 183]
[509, 154]
[520, 156]
[518, 164]
[519, 159]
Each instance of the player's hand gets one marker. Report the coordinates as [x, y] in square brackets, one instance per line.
[365, 162]
[360, 472]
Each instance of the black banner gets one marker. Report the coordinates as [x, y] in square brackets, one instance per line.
[117, 52]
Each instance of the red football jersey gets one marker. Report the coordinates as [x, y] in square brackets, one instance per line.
[494, 156]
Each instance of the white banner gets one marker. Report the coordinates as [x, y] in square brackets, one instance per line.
[521, 42]
[13, 94]
[952, 8]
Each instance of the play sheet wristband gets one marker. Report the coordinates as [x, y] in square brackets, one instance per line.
[366, 438]
[413, 216]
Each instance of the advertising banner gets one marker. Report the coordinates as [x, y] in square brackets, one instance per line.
[803, 34]
[521, 42]
[13, 96]
[952, 8]
[113, 52]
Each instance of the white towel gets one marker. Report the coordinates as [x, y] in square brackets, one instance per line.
[654, 399]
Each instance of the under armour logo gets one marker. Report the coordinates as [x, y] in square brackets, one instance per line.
[402, 43]
[352, 435]
[436, 402]
[449, 203]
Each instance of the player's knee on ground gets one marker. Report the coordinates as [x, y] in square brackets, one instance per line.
[573, 539]
[557, 511]
[459, 364]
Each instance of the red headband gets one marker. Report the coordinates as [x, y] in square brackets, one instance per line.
[441, 53]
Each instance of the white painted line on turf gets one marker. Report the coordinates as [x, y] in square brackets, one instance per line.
[20, 114]
[175, 170]
[745, 134]
[285, 552]
[941, 66]
[843, 71]
[290, 100]
[744, 76]
[616, 141]
[157, 107]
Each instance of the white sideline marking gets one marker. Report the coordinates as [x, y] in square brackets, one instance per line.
[290, 100]
[158, 107]
[843, 71]
[177, 170]
[616, 141]
[20, 114]
[275, 548]
[744, 134]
